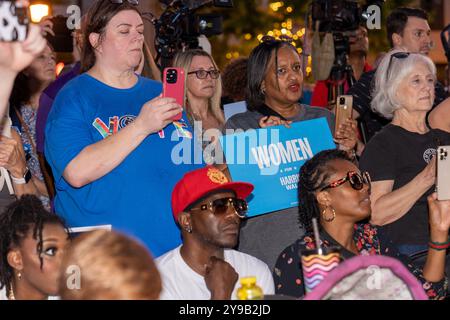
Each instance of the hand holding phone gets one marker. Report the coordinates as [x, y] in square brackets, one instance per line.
[173, 86]
[344, 110]
[14, 21]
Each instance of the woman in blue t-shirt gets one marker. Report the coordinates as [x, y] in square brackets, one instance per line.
[111, 143]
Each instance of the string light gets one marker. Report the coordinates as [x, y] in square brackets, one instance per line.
[280, 29]
[276, 5]
[38, 11]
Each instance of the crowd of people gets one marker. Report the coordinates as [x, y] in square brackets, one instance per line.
[94, 149]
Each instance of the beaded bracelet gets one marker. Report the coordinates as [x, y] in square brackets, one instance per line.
[439, 245]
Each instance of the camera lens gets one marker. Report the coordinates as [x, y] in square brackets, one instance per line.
[171, 76]
[342, 101]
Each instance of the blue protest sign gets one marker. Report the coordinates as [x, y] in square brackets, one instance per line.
[271, 158]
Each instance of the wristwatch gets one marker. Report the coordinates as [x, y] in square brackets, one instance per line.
[25, 179]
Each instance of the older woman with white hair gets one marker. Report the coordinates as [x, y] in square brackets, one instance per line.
[400, 157]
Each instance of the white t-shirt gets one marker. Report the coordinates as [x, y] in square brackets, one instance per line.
[180, 282]
[3, 294]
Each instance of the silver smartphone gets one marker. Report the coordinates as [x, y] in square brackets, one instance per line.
[443, 173]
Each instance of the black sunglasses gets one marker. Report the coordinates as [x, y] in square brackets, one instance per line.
[397, 55]
[203, 74]
[220, 206]
[133, 2]
[356, 180]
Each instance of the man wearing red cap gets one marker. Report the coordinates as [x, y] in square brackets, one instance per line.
[208, 208]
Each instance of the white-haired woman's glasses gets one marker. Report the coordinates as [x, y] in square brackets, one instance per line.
[398, 55]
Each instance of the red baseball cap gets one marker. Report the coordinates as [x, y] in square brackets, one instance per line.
[198, 183]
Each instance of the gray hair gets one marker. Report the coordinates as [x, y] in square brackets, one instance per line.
[385, 100]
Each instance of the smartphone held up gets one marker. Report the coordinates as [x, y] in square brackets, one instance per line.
[173, 86]
[443, 173]
[344, 110]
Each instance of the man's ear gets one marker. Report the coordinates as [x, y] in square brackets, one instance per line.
[184, 220]
[323, 198]
[14, 258]
[94, 40]
[397, 39]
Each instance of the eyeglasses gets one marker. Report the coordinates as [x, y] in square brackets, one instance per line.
[282, 38]
[133, 2]
[203, 74]
[398, 55]
[220, 206]
[356, 180]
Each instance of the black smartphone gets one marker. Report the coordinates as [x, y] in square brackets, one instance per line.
[63, 39]
[14, 21]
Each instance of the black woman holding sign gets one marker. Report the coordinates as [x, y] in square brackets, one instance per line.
[274, 87]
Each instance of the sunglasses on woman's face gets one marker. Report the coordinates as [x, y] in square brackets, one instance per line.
[220, 206]
[355, 179]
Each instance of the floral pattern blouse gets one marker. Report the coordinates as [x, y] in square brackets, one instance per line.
[288, 274]
[29, 118]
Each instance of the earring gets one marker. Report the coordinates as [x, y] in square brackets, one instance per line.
[324, 214]
[188, 229]
[11, 295]
[19, 275]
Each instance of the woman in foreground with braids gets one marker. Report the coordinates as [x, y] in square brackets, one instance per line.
[32, 243]
[334, 191]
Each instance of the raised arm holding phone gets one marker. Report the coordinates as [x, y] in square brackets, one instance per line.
[109, 135]
[14, 57]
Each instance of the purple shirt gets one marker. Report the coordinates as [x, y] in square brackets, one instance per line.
[46, 102]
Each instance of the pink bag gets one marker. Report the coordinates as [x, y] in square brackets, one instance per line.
[369, 278]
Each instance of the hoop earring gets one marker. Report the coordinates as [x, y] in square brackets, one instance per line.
[324, 214]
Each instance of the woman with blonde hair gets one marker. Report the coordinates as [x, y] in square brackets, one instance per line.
[112, 267]
[203, 88]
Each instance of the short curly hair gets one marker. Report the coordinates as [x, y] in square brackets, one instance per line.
[234, 79]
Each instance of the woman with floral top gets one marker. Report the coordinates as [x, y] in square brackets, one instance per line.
[24, 101]
[332, 189]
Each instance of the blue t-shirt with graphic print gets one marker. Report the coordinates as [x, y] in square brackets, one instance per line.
[135, 197]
